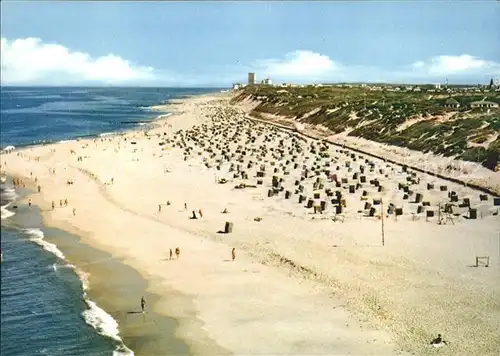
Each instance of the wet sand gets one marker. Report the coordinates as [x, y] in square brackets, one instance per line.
[118, 288]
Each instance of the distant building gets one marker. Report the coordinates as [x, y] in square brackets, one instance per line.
[251, 78]
[267, 81]
[483, 104]
[237, 86]
[451, 103]
[438, 86]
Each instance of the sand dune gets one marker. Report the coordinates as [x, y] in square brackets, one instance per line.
[303, 282]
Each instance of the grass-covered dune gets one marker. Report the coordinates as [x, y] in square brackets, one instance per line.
[415, 120]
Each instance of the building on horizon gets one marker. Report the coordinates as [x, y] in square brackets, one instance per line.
[267, 81]
[251, 78]
[483, 104]
[451, 103]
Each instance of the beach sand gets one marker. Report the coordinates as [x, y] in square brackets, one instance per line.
[301, 283]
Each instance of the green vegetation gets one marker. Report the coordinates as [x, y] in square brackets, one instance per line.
[417, 120]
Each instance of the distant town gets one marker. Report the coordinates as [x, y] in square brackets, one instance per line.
[493, 85]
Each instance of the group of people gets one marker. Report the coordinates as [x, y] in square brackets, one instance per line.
[193, 212]
[61, 203]
[18, 183]
[177, 253]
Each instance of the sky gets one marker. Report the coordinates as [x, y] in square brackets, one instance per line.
[215, 44]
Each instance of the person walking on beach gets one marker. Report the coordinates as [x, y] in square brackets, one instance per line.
[53, 205]
[233, 253]
[177, 252]
[171, 253]
[29, 202]
[74, 211]
[143, 304]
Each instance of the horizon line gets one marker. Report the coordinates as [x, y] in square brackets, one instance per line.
[239, 83]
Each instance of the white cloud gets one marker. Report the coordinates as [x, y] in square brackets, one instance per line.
[299, 64]
[464, 64]
[31, 61]
[308, 66]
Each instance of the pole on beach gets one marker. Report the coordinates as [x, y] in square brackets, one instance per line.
[382, 220]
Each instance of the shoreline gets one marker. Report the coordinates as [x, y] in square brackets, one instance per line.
[149, 334]
[147, 338]
[109, 301]
[117, 289]
[124, 222]
[28, 221]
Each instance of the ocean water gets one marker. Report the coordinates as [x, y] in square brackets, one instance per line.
[42, 301]
[44, 306]
[37, 115]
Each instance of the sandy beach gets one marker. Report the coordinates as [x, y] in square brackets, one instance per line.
[280, 236]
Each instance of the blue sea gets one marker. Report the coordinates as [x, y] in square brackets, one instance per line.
[44, 307]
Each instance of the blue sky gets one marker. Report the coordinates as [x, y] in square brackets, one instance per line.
[216, 43]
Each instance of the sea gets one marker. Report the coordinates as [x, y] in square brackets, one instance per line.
[45, 309]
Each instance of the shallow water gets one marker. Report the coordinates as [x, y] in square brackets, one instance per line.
[41, 299]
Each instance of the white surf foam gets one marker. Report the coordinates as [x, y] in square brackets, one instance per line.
[107, 134]
[37, 237]
[84, 277]
[102, 322]
[162, 116]
[9, 193]
[4, 213]
[123, 351]
[56, 266]
[105, 325]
